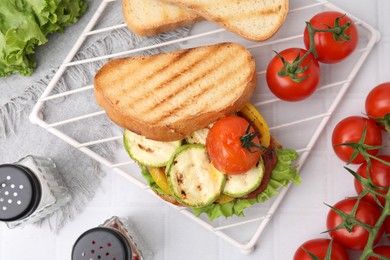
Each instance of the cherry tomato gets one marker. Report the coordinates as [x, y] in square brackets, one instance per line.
[224, 146]
[319, 247]
[350, 129]
[328, 49]
[381, 250]
[283, 86]
[380, 176]
[387, 227]
[356, 239]
[378, 103]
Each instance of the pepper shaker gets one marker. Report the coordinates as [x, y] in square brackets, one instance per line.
[115, 239]
[30, 189]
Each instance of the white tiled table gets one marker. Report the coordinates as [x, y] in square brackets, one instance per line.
[300, 217]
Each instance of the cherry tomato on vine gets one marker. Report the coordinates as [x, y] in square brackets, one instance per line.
[380, 176]
[224, 146]
[284, 87]
[357, 237]
[329, 48]
[381, 250]
[319, 247]
[387, 227]
[350, 129]
[377, 104]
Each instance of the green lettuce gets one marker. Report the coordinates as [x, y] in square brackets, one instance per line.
[283, 173]
[25, 24]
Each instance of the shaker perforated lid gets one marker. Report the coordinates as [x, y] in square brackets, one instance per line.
[20, 192]
[101, 243]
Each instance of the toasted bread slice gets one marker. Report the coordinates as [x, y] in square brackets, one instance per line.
[255, 20]
[151, 17]
[167, 96]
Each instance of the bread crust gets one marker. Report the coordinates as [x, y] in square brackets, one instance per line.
[147, 29]
[182, 127]
[230, 25]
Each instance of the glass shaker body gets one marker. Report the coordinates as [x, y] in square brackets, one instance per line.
[48, 192]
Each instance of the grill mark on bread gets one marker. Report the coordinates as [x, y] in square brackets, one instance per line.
[218, 81]
[175, 75]
[120, 77]
[249, 14]
[183, 87]
[227, 4]
[228, 92]
[156, 73]
[245, 14]
[255, 20]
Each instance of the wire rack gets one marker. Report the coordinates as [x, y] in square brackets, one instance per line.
[296, 124]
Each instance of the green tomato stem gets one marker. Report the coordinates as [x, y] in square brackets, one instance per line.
[293, 69]
[368, 250]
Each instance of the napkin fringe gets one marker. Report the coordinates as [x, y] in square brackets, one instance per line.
[82, 186]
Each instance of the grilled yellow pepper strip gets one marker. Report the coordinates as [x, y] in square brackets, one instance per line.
[250, 113]
[160, 178]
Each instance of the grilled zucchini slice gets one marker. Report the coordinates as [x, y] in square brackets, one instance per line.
[239, 185]
[148, 152]
[190, 178]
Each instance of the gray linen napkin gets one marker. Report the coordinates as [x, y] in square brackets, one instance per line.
[18, 137]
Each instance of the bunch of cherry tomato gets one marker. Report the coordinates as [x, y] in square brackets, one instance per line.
[359, 222]
[294, 73]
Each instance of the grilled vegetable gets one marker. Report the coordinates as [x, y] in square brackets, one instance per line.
[239, 185]
[148, 152]
[250, 113]
[190, 178]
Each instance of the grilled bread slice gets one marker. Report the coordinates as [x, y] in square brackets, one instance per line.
[167, 96]
[255, 20]
[151, 17]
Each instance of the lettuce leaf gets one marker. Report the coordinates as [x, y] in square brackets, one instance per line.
[25, 24]
[283, 173]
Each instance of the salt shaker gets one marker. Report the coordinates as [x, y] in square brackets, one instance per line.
[30, 189]
[116, 238]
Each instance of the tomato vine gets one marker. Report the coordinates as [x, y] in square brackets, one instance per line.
[293, 74]
[362, 149]
[339, 34]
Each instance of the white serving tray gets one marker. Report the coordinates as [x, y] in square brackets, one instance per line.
[296, 125]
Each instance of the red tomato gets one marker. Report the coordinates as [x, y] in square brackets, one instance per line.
[387, 227]
[380, 176]
[381, 250]
[350, 129]
[378, 103]
[328, 49]
[283, 86]
[225, 149]
[356, 239]
[318, 247]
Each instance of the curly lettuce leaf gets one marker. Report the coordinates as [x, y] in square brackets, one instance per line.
[283, 173]
[25, 24]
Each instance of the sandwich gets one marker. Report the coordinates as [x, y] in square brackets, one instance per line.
[170, 106]
[255, 20]
[151, 17]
